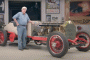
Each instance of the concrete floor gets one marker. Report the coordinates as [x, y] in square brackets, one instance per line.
[11, 52]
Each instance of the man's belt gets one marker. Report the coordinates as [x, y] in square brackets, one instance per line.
[22, 25]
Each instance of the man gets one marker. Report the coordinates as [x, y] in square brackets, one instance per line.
[21, 19]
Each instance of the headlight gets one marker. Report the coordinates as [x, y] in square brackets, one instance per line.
[79, 27]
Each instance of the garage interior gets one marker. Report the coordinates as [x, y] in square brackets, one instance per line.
[33, 9]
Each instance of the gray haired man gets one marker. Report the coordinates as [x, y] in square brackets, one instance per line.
[21, 19]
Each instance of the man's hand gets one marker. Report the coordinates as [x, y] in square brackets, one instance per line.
[16, 22]
[31, 22]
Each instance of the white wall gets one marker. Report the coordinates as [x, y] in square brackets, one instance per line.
[6, 12]
[43, 14]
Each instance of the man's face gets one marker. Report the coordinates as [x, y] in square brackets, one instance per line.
[23, 11]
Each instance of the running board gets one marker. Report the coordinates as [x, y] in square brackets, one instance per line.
[42, 38]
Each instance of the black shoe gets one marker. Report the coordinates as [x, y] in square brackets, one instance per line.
[26, 48]
[21, 49]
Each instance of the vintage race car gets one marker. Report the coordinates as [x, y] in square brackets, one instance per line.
[58, 37]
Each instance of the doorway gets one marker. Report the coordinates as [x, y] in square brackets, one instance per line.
[33, 9]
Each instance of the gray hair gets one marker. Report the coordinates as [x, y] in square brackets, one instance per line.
[24, 8]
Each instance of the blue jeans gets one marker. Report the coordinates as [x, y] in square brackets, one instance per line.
[22, 32]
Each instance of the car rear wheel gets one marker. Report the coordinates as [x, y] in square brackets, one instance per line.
[3, 37]
[87, 45]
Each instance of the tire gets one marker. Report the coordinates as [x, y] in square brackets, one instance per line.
[37, 42]
[86, 37]
[61, 44]
[3, 37]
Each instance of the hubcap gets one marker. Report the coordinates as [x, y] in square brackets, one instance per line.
[56, 44]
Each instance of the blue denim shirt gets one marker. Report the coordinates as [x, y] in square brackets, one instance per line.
[22, 19]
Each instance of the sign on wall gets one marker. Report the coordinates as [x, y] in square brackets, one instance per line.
[78, 11]
[52, 6]
[80, 8]
[1, 6]
[48, 18]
